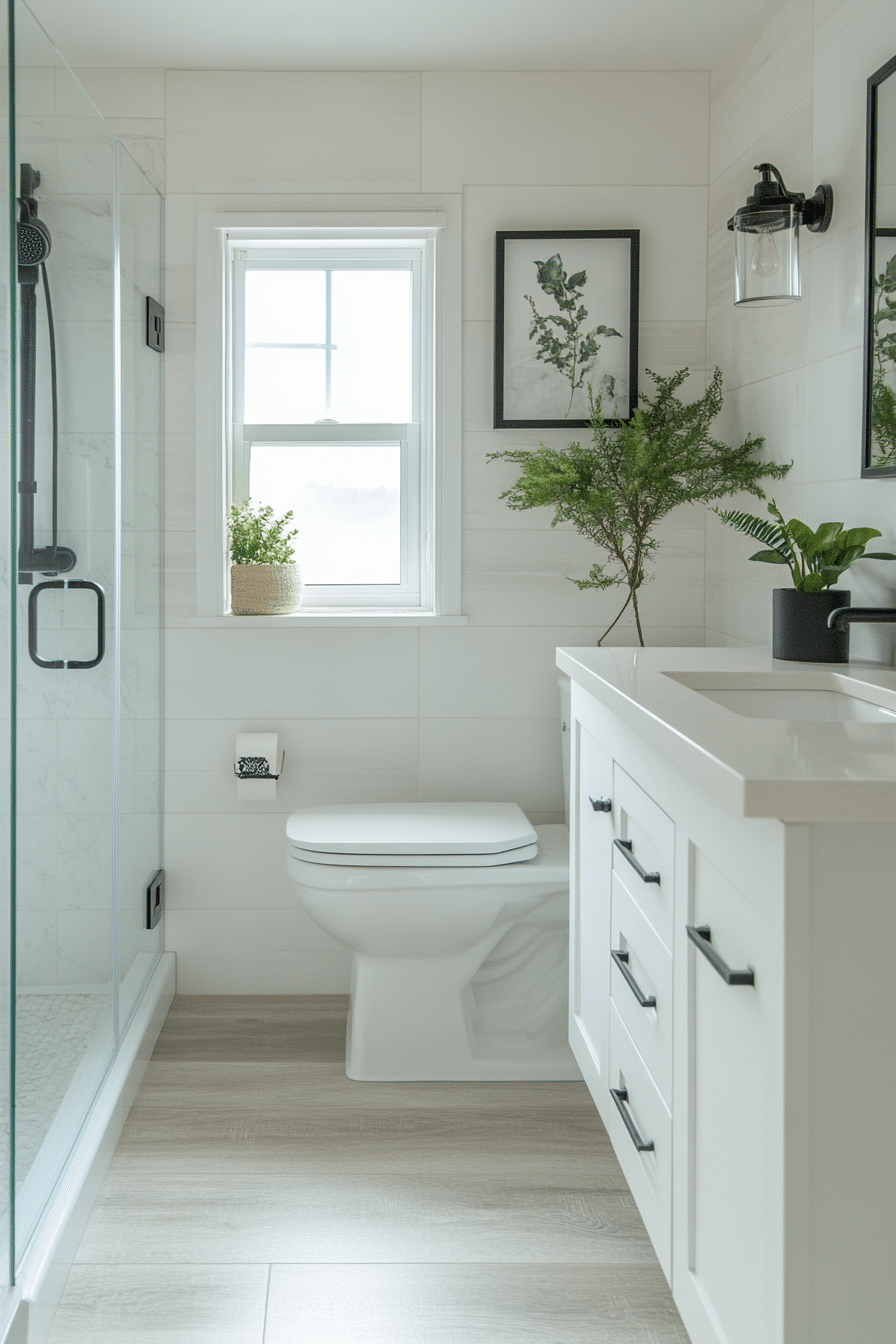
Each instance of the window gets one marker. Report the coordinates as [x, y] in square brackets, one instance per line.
[332, 393]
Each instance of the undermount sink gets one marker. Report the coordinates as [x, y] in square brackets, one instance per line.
[821, 697]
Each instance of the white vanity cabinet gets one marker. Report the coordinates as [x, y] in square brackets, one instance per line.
[744, 1070]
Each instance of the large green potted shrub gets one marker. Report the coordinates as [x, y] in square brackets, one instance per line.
[816, 561]
[264, 578]
[615, 489]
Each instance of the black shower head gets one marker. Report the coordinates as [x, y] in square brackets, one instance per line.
[33, 241]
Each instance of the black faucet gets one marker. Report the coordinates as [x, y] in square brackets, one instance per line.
[843, 617]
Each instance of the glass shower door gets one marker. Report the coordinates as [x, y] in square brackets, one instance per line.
[66, 606]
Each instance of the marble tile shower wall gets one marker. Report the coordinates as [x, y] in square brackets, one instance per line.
[792, 91]
[399, 713]
[64, 724]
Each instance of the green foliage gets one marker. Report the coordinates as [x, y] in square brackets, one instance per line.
[883, 394]
[815, 559]
[561, 340]
[615, 489]
[257, 537]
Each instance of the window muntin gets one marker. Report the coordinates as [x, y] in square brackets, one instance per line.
[332, 364]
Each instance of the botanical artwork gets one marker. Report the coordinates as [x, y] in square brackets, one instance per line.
[565, 322]
[883, 353]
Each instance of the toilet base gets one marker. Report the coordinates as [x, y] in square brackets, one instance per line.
[417, 1021]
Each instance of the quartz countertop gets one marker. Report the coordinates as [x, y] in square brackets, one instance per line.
[761, 767]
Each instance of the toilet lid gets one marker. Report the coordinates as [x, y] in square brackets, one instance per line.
[411, 828]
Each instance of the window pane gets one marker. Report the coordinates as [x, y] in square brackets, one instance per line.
[285, 387]
[371, 332]
[286, 306]
[347, 506]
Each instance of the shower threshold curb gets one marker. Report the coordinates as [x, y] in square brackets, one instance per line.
[45, 1266]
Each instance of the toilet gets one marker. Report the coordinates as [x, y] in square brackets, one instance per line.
[457, 917]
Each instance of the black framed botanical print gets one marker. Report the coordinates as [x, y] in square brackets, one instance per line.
[566, 320]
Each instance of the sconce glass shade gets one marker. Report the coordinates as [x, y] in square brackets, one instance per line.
[767, 255]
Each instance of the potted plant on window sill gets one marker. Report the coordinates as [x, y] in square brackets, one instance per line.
[264, 578]
[816, 561]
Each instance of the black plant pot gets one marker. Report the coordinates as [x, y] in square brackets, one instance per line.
[800, 626]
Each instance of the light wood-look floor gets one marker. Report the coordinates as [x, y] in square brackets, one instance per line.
[258, 1197]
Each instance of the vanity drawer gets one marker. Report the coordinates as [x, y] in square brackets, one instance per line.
[648, 964]
[637, 1115]
[644, 852]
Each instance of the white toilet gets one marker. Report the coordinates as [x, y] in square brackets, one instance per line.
[457, 917]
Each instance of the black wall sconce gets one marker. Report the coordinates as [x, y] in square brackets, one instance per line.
[766, 237]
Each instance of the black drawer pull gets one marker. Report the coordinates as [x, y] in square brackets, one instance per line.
[620, 1096]
[601, 804]
[621, 960]
[625, 847]
[701, 937]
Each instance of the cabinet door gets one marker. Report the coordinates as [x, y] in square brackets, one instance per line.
[590, 911]
[728, 1246]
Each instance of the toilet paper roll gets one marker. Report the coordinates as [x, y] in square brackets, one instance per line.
[256, 790]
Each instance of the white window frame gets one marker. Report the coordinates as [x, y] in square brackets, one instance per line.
[434, 438]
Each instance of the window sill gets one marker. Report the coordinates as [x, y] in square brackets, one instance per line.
[323, 618]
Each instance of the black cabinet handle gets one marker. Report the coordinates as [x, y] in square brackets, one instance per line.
[701, 936]
[601, 804]
[100, 624]
[621, 960]
[620, 1096]
[625, 847]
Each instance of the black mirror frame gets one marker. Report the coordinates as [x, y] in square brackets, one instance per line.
[871, 233]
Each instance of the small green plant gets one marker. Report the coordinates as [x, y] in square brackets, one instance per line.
[617, 488]
[815, 559]
[257, 537]
[561, 339]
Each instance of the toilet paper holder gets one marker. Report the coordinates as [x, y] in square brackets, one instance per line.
[257, 767]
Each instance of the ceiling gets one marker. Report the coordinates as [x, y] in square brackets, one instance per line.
[396, 34]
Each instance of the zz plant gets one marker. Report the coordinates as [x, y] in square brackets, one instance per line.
[816, 559]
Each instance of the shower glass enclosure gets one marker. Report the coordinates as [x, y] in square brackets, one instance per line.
[80, 593]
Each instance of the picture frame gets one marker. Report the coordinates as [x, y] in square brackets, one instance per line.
[566, 316]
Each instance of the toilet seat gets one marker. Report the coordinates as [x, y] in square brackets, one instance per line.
[412, 835]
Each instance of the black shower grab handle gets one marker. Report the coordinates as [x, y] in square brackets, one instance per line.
[70, 663]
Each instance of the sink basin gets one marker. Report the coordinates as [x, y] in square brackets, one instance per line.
[822, 697]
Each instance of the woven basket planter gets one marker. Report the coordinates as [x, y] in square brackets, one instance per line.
[264, 590]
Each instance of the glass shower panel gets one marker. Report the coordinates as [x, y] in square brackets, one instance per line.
[7, 707]
[67, 721]
[140, 846]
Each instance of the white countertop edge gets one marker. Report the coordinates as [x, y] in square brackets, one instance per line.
[724, 751]
[325, 620]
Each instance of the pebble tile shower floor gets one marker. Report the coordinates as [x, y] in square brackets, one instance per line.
[52, 1035]
[257, 1196]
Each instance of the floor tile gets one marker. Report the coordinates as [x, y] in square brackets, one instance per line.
[255, 1028]
[317, 1219]
[470, 1304]
[182, 1304]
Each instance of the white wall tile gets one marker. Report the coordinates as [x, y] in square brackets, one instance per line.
[280, 131]
[251, 952]
[486, 672]
[492, 760]
[333, 743]
[274, 674]
[124, 91]
[503, 127]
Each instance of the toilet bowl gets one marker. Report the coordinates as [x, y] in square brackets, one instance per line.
[457, 918]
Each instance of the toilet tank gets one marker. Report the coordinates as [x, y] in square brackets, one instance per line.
[565, 728]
